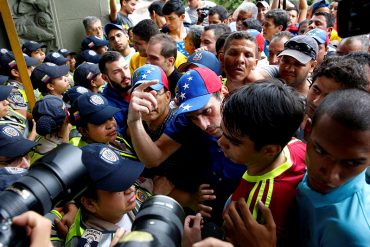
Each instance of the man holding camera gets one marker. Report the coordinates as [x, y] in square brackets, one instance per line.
[197, 9]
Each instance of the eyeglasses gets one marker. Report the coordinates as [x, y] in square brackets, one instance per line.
[302, 47]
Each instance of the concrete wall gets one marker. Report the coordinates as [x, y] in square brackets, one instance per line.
[58, 23]
[69, 15]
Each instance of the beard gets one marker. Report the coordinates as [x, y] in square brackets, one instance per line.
[118, 86]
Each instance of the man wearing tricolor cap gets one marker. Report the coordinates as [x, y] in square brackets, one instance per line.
[199, 95]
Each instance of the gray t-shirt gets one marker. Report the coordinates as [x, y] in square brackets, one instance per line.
[123, 20]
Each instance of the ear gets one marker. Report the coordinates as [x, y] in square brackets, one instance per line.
[50, 86]
[171, 60]
[328, 30]
[224, 91]
[280, 27]
[83, 131]
[307, 129]
[182, 17]
[168, 96]
[221, 57]
[271, 150]
[92, 83]
[313, 65]
[105, 77]
[88, 204]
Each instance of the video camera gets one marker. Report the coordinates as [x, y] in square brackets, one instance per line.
[59, 177]
[352, 16]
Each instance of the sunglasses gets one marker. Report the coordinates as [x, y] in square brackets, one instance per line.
[302, 47]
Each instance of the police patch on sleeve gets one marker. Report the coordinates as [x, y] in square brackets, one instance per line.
[10, 131]
[17, 99]
[108, 155]
[91, 238]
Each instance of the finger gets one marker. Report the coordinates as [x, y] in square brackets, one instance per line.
[204, 186]
[61, 228]
[205, 208]
[197, 220]
[206, 191]
[205, 214]
[267, 215]
[207, 198]
[187, 221]
[234, 214]
[143, 105]
[245, 212]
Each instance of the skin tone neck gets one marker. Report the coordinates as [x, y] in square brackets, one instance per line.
[267, 166]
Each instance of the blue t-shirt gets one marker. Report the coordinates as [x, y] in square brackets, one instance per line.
[115, 100]
[222, 174]
[338, 218]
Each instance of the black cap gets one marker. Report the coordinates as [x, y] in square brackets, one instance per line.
[56, 58]
[45, 72]
[92, 43]
[12, 142]
[84, 73]
[31, 46]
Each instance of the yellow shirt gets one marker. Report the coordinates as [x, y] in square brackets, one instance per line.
[138, 61]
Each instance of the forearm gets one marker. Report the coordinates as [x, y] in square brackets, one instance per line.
[113, 10]
[148, 152]
[303, 7]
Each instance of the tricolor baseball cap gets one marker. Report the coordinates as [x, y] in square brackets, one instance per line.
[108, 170]
[195, 88]
[202, 59]
[46, 72]
[259, 38]
[149, 72]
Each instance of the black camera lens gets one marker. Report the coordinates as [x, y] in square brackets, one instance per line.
[158, 223]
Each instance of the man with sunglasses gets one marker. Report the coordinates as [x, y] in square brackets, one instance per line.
[297, 62]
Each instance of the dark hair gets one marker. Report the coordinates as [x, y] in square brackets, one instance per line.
[238, 36]
[173, 6]
[345, 71]
[218, 29]
[90, 192]
[253, 24]
[221, 41]
[220, 10]
[361, 57]
[145, 29]
[349, 107]
[169, 47]
[268, 112]
[157, 7]
[108, 57]
[195, 31]
[328, 17]
[279, 17]
[292, 8]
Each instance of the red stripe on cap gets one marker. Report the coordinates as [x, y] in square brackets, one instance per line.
[211, 81]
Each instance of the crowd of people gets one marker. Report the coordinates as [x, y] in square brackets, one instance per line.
[256, 121]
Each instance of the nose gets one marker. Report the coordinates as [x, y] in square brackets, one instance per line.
[317, 101]
[203, 122]
[330, 171]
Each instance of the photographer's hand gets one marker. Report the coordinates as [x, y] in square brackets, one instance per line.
[117, 236]
[192, 230]
[38, 228]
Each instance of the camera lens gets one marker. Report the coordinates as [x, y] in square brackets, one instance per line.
[162, 218]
